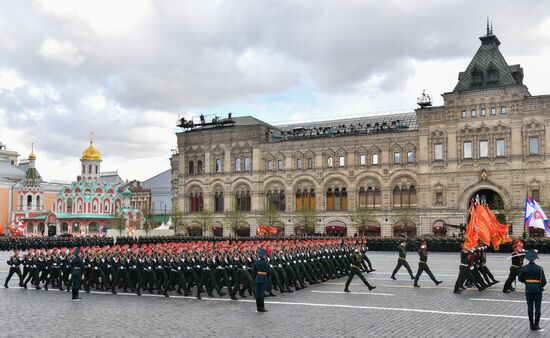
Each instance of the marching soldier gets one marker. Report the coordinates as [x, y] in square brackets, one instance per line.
[423, 265]
[14, 263]
[535, 280]
[465, 271]
[517, 263]
[402, 261]
[356, 270]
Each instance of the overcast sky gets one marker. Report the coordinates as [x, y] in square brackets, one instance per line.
[127, 69]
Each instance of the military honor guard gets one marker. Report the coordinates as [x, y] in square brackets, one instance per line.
[533, 276]
[402, 260]
[262, 272]
[355, 270]
[518, 254]
[423, 265]
[76, 273]
[14, 262]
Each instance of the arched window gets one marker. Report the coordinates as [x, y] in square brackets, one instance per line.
[396, 196]
[330, 200]
[94, 206]
[218, 201]
[405, 197]
[20, 202]
[29, 201]
[299, 200]
[69, 205]
[312, 202]
[276, 200]
[199, 168]
[305, 199]
[344, 199]
[242, 200]
[106, 207]
[377, 197]
[337, 201]
[196, 202]
[362, 198]
[89, 169]
[38, 202]
[96, 169]
[191, 167]
[412, 196]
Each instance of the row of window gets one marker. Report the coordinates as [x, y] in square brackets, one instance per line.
[79, 206]
[245, 164]
[500, 151]
[335, 199]
[483, 149]
[91, 169]
[29, 202]
[241, 164]
[482, 112]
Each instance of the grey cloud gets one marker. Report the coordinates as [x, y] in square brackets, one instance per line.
[189, 54]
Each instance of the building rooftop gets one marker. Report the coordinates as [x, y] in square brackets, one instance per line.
[488, 68]
[10, 172]
[345, 127]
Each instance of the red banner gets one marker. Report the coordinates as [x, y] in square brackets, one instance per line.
[483, 225]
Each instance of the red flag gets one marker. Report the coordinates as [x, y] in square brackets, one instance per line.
[483, 225]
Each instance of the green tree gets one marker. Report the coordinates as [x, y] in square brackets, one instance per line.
[270, 216]
[179, 219]
[120, 222]
[306, 220]
[148, 217]
[406, 216]
[234, 219]
[204, 218]
[363, 216]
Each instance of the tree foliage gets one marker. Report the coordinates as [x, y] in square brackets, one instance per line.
[306, 220]
[204, 218]
[234, 219]
[363, 216]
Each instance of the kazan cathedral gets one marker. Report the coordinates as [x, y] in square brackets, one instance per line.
[88, 205]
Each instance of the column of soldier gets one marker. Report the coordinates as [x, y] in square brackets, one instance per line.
[207, 266]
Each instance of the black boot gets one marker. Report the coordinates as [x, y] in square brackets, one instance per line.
[531, 321]
[537, 321]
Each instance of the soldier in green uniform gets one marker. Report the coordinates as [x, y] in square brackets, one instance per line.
[14, 263]
[533, 276]
[355, 269]
[262, 271]
[402, 260]
[517, 263]
[423, 265]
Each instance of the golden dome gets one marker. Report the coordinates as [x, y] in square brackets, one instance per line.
[91, 153]
[32, 156]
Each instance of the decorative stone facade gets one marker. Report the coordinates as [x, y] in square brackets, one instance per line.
[489, 137]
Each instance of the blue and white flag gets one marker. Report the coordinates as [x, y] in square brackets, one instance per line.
[535, 217]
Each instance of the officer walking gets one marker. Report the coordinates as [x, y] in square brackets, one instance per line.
[423, 265]
[402, 261]
[76, 273]
[533, 276]
[356, 259]
[262, 271]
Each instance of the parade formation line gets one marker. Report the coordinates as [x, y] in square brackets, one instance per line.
[503, 300]
[355, 293]
[341, 306]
